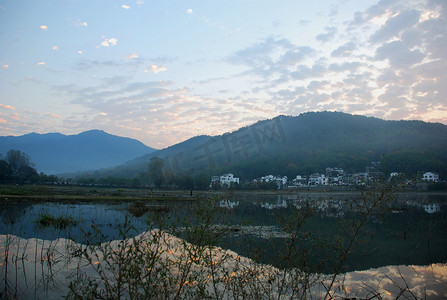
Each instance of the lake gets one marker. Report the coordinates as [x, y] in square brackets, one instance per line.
[410, 230]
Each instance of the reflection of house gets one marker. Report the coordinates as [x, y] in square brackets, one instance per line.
[279, 204]
[430, 176]
[432, 208]
[224, 180]
[228, 204]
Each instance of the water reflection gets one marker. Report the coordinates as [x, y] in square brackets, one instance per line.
[228, 204]
[410, 230]
[432, 208]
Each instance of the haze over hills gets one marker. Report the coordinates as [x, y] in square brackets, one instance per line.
[55, 153]
[304, 144]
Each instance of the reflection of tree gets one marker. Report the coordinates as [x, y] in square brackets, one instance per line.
[10, 214]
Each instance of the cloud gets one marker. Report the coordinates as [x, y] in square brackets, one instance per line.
[326, 37]
[398, 54]
[271, 57]
[344, 50]
[293, 57]
[43, 27]
[396, 25]
[5, 106]
[157, 69]
[109, 42]
[131, 56]
[52, 115]
[304, 72]
[346, 66]
[125, 6]
[81, 23]
[116, 80]
[119, 65]
[168, 114]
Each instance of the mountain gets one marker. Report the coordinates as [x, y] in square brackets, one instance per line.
[54, 153]
[304, 144]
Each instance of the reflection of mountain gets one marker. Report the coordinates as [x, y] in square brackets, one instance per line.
[54, 153]
[303, 145]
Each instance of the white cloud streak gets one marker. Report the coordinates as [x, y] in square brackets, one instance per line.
[157, 68]
[109, 42]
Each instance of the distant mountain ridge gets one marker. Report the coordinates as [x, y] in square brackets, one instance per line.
[304, 144]
[55, 153]
[284, 145]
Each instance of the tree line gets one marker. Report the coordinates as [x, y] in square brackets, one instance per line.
[17, 167]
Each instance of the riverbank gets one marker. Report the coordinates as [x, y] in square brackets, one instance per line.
[68, 193]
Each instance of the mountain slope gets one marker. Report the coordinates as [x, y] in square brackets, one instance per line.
[54, 153]
[304, 144]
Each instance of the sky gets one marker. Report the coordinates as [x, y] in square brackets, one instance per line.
[165, 71]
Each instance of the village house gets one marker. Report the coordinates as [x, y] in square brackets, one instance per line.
[335, 176]
[299, 181]
[318, 179]
[223, 180]
[430, 176]
[280, 181]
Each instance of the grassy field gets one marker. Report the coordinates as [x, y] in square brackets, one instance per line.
[98, 194]
[87, 193]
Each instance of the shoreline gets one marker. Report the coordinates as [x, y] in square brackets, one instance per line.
[53, 193]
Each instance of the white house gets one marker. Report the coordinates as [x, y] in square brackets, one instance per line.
[318, 179]
[430, 176]
[281, 181]
[224, 180]
[300, 180]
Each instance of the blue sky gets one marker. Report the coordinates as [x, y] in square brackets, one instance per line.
[165, 71]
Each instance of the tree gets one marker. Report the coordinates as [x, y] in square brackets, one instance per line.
[21, 167]
[156, 176]
[28, 174]
[16, 160]
[5, 171]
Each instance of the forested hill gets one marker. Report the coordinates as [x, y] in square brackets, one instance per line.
[303, 145]
[55, 153]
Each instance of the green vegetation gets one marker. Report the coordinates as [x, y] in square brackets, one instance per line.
[86, 193]
[60, 222]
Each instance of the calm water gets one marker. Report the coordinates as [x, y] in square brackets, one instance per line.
[410, 230]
